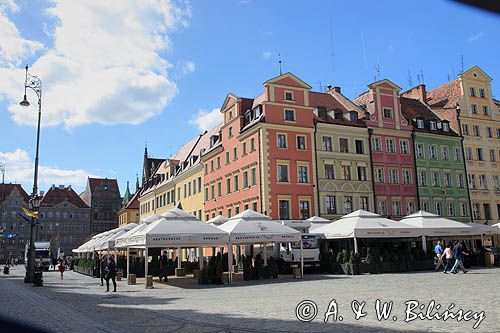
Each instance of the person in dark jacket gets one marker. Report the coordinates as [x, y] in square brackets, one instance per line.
[164, 266]
[104, 264]
[111, 273]
[458, 253]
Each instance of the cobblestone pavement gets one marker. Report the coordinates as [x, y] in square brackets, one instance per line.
[79, 304]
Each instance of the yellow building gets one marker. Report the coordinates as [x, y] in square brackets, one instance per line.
[478, 120]
[130, 212]
[178, 181]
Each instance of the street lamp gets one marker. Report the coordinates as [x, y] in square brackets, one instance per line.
[33, 82]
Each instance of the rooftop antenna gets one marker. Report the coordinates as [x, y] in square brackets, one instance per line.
[331, 45]
[453, 72]
[363, 43]
[279, 62]
[377, 71]
[448, 77]
[462, 63]
[422, 75]
[410, 81]
[320, 86]
[419, 78]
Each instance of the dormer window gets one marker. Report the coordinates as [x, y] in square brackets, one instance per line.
[322, 112]
[230, 114]
[388, 113]
[432, 125]
[420, 123]
[288, 96]
[257, 110]
[446, 126]
[439, 125]
[337, 114]
[354, 116]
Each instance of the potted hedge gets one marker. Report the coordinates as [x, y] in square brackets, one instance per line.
[355, 259]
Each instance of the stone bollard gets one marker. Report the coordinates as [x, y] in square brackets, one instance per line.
[225, 278]
[180, 272]
[196, 274]
[118, 276]
[132, 279]
[149, 282]
[296, 273]
[235, 268]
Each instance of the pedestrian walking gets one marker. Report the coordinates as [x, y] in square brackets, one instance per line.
[448, 258]
[164, 266]
[458, 253]
[438, 251]
[102, 271]
[54, 263]
[62, 266]
[111, 273]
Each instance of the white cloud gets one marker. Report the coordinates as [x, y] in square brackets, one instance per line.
[266, 55]
[105, 65]
[205, 120]
[19, 169]
[476, 36]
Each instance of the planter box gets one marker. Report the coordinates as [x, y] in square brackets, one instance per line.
[132, 278]
[368, 268]
[296, 273]
[180, 272]
[118, 276]
[149, 282]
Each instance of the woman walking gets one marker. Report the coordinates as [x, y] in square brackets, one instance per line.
[62, 266]
[448, 258]
[111, 273]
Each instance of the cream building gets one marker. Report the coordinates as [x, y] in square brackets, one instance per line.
[477, 117]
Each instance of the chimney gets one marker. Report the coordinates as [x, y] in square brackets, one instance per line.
[419, 92]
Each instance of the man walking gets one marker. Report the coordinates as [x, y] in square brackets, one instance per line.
[458, 254]
[438, 250]
[164, 266]
[102, 273]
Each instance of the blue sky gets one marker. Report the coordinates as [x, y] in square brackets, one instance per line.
[117, 77]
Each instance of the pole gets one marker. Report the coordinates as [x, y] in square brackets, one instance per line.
[424, 244]
[230, 263]
[179, 257]
[128, 263]
[265, 254]
[355, 245]
[200, 257]
[146, 266]
[301, 260]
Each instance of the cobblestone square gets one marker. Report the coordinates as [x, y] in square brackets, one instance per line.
[79, 304]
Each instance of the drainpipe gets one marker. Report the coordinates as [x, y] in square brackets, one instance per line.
[415, 168]
[260, 174]
[466, 178]
[370, 133]
[318, 205]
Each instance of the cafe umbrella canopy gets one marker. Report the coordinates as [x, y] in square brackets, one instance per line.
[218, 220]
[317, 221]
[364, 224]
[250, 227]
[176, 228]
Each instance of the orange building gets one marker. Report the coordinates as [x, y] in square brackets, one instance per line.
[262, 158]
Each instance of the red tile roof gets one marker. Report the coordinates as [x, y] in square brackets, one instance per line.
[95, 182]
[326, 100]
[57, 195]
[447, 95]
[134, 202]
[6, 189]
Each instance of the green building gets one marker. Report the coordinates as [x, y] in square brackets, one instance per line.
[440, 169]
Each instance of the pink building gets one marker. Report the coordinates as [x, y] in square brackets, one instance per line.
[263, 156]
[391, 150]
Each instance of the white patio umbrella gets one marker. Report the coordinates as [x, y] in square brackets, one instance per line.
[176, 228]
[218, 220]
[363, 224]
[250, 227]
[435, 225]
[317, 221]
[484, 229]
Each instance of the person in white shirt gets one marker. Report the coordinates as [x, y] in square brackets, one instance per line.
[448, 258]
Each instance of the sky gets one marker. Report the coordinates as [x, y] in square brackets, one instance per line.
[119, 75]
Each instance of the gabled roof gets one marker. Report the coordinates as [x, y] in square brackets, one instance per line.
[477, 68]
[6, 189]
[330, 102]
[57, 195]
[288, 76]
[134, 202]
[380, 82]
[96, 182]
[446, 96]
[363, 100]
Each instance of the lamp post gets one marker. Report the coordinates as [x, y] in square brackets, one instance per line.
[33, 82]
[2, 200]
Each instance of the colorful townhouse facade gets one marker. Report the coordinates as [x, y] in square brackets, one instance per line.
[13, 198]
[468, 104]
[440, 167]
[392, 155]
[263, 156]
[344, 176]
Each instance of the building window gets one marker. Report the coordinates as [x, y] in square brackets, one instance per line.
[479, 153]
[404, 146]
[236, 210]
[302, 174]
[406, 176]
[304, 209]
[283, 173]
[236, 183]
[456, 154]
[252, 144]
[465, 129]
[213, 191]
[482, 93]
[228, 185]
[382, 207]
[492, 155]
[435, 179]
[348, 207]
[376, 144]
[468, 153]
[254, 176]
[329, 171]
[445, 153]
[451, 209]
[301, 142]
[379, 175]
[447, 180]
[218, 162]
[245, 179]
[289, 115]
[284, 208]
[393, 176]
[425, 206]
[360, 149]
[327, 143]
[244, 149]
[185, 190]
[281, 140]
[472, 181]
[463, 209]
[229, 212]
[420, 123]
[474, 108]
[483, 182]
[496, 182]
[433, 152]
[254, 206]
[410, 207]
[460, 180]
[230, 132]
[212, 165]
[387, 113]
[489, 132]
[437, 208]
[331, 207]
[219, 189]
[235, 153]
[432, 124]
[420, 150]
[227, 157]
[396, 208]
[476, 211]
[206, 193]
[390, 146]
[346, 172]
[361, 173]
[364, 204]
[344, 145]
[477, 131]
[485, 110]
[288, 96]
[472, 91]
